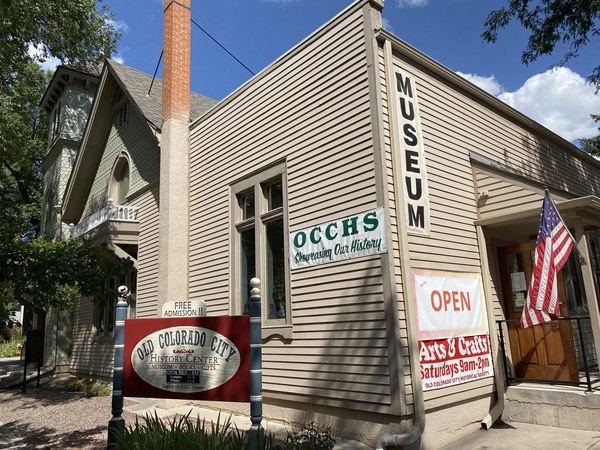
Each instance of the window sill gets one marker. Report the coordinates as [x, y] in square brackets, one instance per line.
[284, 332]
[104, 338]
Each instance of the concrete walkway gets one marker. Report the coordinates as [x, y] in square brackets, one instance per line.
[510, 435]
[502, 436]
[524, 436]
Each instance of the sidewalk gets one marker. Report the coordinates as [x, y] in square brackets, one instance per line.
[525, 436]
[513, 435]
[502, 436]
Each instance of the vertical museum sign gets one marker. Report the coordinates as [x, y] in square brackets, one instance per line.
[412, 156]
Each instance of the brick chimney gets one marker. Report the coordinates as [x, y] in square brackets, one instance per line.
[176, 64]
[174, 155]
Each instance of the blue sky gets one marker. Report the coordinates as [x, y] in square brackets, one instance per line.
[257, 32]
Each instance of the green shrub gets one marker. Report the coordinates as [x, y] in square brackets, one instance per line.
[310, 437]
[183, 433]
[8, 349]
[78, 384]
[88, 388]
[97, 390]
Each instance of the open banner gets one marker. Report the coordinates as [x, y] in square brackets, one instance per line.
[454, 343]
[449, 304]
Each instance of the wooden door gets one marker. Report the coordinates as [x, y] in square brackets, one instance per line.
[545, 351]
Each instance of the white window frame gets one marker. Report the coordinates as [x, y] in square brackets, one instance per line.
[56, 120]
[255, 184]
[105, 309]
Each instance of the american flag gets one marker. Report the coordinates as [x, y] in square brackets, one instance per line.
[552, 249]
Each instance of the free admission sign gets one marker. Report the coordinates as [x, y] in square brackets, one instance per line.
[196, 358]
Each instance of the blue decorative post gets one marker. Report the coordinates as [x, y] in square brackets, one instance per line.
[117, 423]
[256, 432]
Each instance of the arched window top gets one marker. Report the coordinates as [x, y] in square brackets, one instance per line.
[118, 186]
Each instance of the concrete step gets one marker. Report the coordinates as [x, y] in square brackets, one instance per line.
[553, 406]
[11, 372]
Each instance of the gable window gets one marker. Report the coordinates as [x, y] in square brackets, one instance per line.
[123, 115]
[56, 120]
[118, 186]
[261, 244]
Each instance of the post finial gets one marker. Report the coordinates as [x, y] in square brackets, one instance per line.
[123, 294]
[255, 291]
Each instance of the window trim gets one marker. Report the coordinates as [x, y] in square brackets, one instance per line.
[108, 335]
[254, 184]
[117, 188]
[56, 120]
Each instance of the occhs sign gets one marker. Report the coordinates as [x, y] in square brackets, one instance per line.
[350, 237]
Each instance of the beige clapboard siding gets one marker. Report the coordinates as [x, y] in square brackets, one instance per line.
[83, 319]
[147, 281]
[502, 139]
[395, 245]
[311, 109]
[90, 355]
[452, 242]
[506, 195]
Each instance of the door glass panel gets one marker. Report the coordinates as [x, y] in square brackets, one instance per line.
[574, 286]
[248, 266]
[518, 281]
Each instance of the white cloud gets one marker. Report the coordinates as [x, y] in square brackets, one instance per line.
[559, 99]
[49, 63]
[412, 3]
[488, 84]
[387, 25]
[118, 58]
[119, 25]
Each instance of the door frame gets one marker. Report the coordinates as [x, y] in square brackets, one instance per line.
[537, 353]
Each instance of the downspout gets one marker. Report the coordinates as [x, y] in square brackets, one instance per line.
[498, 408]
[412, 435]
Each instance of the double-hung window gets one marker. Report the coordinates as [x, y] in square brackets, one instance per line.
[260, 244]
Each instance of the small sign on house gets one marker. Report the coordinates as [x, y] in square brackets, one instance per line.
[187, 308]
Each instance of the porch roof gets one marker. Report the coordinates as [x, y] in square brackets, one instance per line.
[527, 219]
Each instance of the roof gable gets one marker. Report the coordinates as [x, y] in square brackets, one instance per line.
[145, 95]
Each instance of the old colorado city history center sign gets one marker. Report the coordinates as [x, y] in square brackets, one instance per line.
[198, 358]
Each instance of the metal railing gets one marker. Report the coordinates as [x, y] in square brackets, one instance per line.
[110, 212]
[577, 339]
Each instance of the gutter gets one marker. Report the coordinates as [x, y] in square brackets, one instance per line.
[415, 432]
[497, 410]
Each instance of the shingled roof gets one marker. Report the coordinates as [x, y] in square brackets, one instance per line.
[137, 85]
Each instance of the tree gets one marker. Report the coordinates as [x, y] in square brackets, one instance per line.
[574, 22]
[74, 31]
[53, 274]
[23, 135]
[77, 33]
[592, 145]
